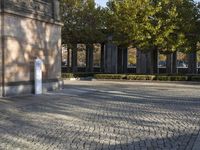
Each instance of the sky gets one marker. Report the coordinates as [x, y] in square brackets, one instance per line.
[103, 2]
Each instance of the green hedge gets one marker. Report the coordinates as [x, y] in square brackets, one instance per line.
[133, 77]
[195, 78]
[140, 77]
[67, 75]
[158, 77]
[172, 78]
[110, 76]
[83, 75]
[77, 75]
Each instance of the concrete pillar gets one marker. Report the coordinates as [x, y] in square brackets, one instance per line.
[125, 60]
[74, 58]
[141, 62]
[89, 57]
[102, 57]
[147, 62]
[111, 58]
[68, 59]
[171, 65]
[192, 63]
[152, 61]
[122, 59]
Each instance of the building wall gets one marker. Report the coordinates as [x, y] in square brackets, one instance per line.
[30, 31]
[1, 47]
[26, 39]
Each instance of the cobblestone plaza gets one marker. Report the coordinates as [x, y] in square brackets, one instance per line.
[104, 115]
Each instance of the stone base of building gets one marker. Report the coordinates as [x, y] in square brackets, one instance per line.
[23, 88]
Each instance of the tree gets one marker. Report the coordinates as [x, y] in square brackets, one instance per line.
[83, 23]
[190, 25]
[191, 29]
[162, 24]
[152, 25]
[82, 20]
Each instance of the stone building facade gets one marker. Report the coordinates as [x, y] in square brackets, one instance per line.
[29, 29]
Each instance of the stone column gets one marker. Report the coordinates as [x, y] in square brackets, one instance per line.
[152, 61]
[125, 60]
[141, 62]
[102, 57]
[122, 59]
[74, 58]
[171, 66]
[68, 60]
[89, 57]
[192, 63]
[110, 58]
[147, 62]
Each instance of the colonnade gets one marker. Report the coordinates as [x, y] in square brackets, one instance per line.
[114, 59]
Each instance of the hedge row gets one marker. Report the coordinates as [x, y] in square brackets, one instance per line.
[133, 77]
[110, 76]
[195, 78]
[77, 75]
[140, 77]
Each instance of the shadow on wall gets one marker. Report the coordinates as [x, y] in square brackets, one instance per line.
[26, 39]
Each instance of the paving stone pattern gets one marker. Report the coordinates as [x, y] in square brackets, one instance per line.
[103, 115]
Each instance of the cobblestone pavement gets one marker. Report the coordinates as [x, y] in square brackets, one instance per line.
[103, 115]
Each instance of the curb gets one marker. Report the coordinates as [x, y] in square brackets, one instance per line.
[124, 80]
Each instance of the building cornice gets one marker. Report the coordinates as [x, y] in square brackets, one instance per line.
[42, 10]
[32, 16]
